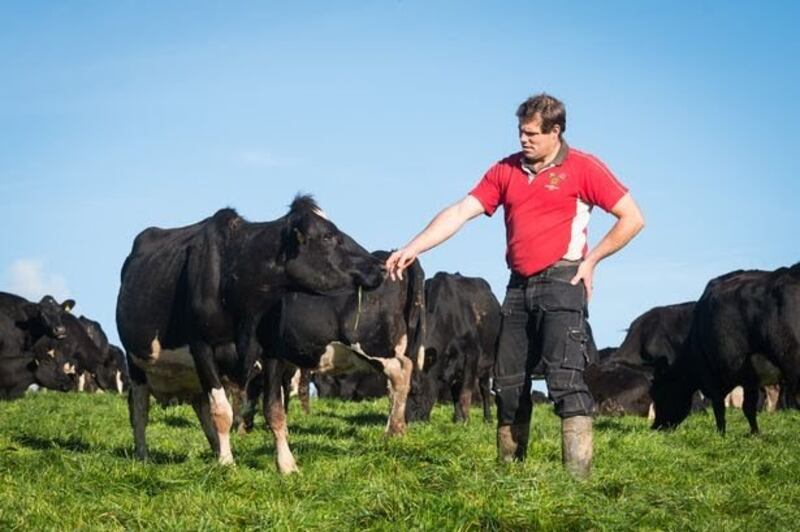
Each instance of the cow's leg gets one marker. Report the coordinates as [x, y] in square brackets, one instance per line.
[718, 402]
[139, 409]
[302, 390]
[773, 392]
[750, 405]
[202, 408]
[465, 399]
[483, 385]
[398, 372]
[219, 406]
[276, 415]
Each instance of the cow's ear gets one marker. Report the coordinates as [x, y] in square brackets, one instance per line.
[68, 305]
[301, 239]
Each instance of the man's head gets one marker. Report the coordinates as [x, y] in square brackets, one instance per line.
[542, 122]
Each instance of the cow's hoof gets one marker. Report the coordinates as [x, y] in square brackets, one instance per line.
[287, 467]
[226, 460]
[395, 431]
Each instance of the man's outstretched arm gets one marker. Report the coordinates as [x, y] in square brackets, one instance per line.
[443, 226]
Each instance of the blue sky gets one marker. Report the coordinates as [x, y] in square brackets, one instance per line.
[117, 116]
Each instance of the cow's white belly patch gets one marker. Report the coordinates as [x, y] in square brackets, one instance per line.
[171, 373]
[339, 358]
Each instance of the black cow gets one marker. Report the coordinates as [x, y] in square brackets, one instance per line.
[88, 358]
[620, 382]
[192, 298]
[111, 363]
[655, 338]
[382, 329]
[36, 320]
[24, 358]
[463, 323]
[745, 331]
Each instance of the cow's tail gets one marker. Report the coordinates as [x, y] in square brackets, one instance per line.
[415, 315]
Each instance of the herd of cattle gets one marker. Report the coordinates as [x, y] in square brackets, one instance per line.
[225, 311]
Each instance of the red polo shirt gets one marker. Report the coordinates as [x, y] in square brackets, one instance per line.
[547, 213]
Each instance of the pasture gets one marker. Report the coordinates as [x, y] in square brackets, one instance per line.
[65, 462]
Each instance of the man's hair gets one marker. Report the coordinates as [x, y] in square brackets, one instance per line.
[551, 110]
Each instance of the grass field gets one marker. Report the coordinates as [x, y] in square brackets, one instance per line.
[65, 463]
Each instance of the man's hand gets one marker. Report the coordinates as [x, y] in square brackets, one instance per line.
[585, 273]
[399, 261]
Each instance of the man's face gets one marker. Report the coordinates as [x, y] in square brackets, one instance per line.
[536, 145]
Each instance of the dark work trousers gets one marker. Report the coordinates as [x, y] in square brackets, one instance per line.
[544, 330]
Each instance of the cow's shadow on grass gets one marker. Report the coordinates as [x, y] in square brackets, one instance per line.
[154, 456]
[614, 424]
[71, 443]
[178, 422]
[77, 445]
[365, 418]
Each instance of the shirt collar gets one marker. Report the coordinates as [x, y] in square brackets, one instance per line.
[559, 159]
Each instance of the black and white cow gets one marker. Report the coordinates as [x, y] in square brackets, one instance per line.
[36, 320]
[192, 298]
[380, 329]
[111, 361]
[24, 358]
[745, 331]
[87, 357]
[463, 323]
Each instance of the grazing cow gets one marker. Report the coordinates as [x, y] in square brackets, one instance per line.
[382, 329]
[112, 362]
[24, 359]
[745, 331]
[619, 388]
[621, 382]
[655, 338]
[192, 298]
[463, 323]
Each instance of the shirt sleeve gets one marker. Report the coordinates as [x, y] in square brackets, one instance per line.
[489, 190]
[600, 186]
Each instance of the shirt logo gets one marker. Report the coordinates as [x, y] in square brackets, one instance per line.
[554, 181]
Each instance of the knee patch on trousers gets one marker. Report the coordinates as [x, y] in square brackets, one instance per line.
[565, 383]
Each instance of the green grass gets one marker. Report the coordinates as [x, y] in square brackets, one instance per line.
[65, 463]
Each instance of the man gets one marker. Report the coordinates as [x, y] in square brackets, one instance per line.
[547, 192]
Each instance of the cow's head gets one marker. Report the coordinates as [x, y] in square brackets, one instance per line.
[672, 397]
[44, 317]
[53, 369]
[89, 357]
[318, 257]
[424, 389]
